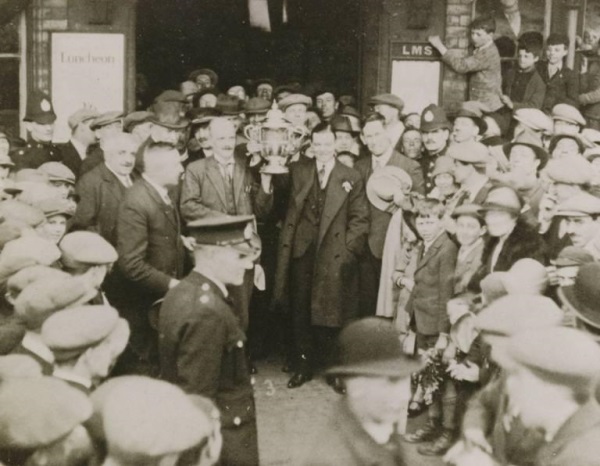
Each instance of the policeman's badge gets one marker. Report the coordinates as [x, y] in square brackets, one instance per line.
[45, 105]
[428, 117]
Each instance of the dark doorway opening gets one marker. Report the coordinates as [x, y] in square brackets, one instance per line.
[319, 44]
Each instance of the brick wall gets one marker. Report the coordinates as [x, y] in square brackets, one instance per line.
[458, 18]
[45, 16]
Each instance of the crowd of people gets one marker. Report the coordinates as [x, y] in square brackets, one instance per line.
[435, 268]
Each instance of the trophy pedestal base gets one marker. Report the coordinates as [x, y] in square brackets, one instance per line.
[274, 169]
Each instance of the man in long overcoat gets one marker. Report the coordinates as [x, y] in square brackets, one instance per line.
[323, 234]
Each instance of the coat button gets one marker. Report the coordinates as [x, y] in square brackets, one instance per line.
[240, 344]
[237, 421]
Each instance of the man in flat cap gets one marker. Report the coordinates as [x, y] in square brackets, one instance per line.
[552, 375]
[39, 121]
[435, 129]
[323, 235]
[294, 108]
[138, 124]
[581, 219]
[103, 126]
[376, 375]
[82, 138]
[202, 344]
[567, 119]
[102, 189]
[390, 106]
[150, 247]
[381, 154]
[469, 124]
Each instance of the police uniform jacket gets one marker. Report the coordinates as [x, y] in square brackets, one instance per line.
[202, 350]
[344, 442]
[71, 157]
[35, 154]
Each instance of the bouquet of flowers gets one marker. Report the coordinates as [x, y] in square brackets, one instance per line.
[427, 383]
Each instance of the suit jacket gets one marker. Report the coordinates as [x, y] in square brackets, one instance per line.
[203, 191]
[590, 92]
[466, 267]
[202, 350]
[342, 233]
[95, 157]
[378, 219]
[434, 287]
[149, 243]
[344, 442]
[71, 158]
[562, 88]
[577, 442]
[535, 91]
[101, 194]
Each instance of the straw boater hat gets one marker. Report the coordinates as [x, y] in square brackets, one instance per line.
[384, 183]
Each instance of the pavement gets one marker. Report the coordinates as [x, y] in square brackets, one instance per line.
[289, 420]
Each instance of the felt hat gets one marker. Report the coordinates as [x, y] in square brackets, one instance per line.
[474, 110]
[534, 119]
[294, 99]
[35, 412]
[340, 123]
[39, 109]
[105, 119]
[214, 78]
[135, 118]
[583, 297]
[467, 210]
[531, 140]
[384, 183]
[560, 355]
[568, 113]
[81, 116]
[580, 205]
[387, 99]
[371, 347]
[56, 171]
[257, 106]
[147, 417]
[469, 152]
[202, 116]
[86, 247]
[581, 144]
[503, 198]
[571, 170]
[572, 256]
[171, 96]
[516, 313]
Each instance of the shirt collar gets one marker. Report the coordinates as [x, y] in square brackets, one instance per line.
[383, 159]
[465, 251]
[121, 178]
[163, 192]
[80, 148]
[327, 165]
[427, 245]
[222, 161]
[33, 342]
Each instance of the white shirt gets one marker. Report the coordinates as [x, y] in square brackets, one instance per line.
[124, 180]
[162, 192]
[382, 160]
[80, 148]
[225, 165]
[328, 166]
[33, 342]
[553, 69]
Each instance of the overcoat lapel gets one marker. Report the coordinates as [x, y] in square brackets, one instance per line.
[334, 199]
[214, 175]
[169, 211]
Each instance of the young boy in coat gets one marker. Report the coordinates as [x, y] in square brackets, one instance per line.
[524, 87]
[483, 66]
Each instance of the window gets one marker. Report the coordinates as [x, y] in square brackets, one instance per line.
[11, 84]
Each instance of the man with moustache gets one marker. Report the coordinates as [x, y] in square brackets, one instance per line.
[435, 129]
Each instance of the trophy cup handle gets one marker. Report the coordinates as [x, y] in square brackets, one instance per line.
[250, 132]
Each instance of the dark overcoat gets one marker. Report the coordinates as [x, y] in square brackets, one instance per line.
[344, 442]
[342, 234]
[202, 350]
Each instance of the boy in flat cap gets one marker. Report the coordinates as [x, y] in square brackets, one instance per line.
[39, 121]
[82, 137]
[201, 341]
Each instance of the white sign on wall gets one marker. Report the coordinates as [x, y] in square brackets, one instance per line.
[417, 82]
[87, 69]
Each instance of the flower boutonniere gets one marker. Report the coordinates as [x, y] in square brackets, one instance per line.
[347, 186]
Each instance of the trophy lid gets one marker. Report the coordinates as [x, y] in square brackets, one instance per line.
[275, 119]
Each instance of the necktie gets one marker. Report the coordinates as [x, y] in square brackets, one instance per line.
[226, 171]
[321, 175]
